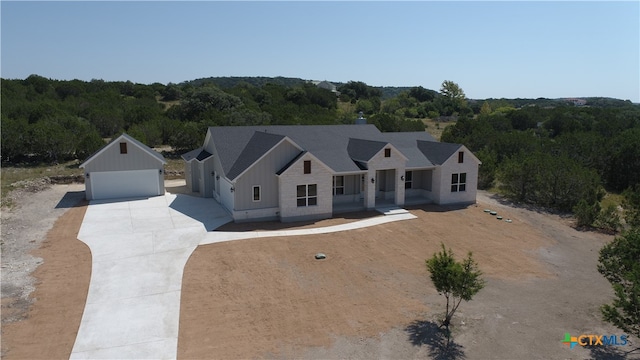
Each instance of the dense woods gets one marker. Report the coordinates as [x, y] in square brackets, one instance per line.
[547, 152]
[562, 157]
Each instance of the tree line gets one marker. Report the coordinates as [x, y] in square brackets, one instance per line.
[45, 120]
[562, 157]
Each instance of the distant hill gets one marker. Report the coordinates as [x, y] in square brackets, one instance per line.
[227, 82]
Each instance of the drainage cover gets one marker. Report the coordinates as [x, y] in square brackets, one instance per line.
[320, 256]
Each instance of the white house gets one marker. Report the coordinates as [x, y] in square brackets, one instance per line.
[304, 172]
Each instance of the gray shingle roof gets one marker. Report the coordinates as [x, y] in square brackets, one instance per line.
[437, 152]
[337, 146]
[327, 142]
[259, 144]
[197, 154]
[407, 143]
[364, 150]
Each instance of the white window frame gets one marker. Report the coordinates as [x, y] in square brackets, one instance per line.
[308, 198]
[338, 189]
[458, 182]
[253, 193]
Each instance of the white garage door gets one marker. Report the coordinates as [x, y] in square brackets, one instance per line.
[122, 184]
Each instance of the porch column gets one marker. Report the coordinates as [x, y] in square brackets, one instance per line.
[370, 190]
[400, 186]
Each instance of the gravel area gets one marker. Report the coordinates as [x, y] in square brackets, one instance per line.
[24, 227]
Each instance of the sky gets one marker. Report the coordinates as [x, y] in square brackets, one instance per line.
[504, 49]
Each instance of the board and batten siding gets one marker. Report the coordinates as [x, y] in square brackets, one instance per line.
[135, 159]
[263, 174]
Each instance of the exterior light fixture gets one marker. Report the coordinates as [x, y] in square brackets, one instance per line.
[402, 177]
[232, 189]
[160, 171]
[373, 180]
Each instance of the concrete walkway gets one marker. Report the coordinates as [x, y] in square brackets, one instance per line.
[139, 249]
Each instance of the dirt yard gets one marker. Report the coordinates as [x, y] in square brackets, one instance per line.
[371, 297]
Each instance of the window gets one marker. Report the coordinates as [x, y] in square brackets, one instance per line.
[307, 167]
[458, 182]
[387, 152]
[408, 179]
[461, 157]
[338, 185]
[256, 193]
[307, 195]
[123, 148]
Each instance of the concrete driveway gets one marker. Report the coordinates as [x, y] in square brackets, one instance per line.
[139, 249]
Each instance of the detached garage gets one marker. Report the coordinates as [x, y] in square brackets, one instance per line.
[124, 168]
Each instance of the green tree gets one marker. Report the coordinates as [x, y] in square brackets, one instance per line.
[455, 280]
[631, 205]
[586, 213]
[453, 97]
[619, 262]
[608, 219]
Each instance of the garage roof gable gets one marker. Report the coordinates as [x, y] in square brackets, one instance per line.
[130, 140]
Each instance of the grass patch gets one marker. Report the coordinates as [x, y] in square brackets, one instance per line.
[16, 176]
[435, 128]
[611, 199]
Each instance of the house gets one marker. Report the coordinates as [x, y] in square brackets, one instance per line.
[124, 168]
[303, 172]
[327, 86]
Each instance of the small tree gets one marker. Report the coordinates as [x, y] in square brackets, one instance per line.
[608, 219]
[457, 281]
[619, 262]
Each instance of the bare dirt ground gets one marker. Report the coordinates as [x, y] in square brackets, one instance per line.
[45, 272]
[371, 298]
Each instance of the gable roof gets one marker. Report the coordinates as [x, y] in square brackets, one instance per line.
[342, 148]
[364, 150]
[407, 143]
[326, 142]
[130, 139]
[197, 154]
[438, 152]
[259, 144]
[297, 158]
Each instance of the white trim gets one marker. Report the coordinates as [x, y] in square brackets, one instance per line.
[464, 149]
[389, 145]
[129, 139]
[335, 186]
[313, 157]
[307, 196]
[253, 189]
[267, 153]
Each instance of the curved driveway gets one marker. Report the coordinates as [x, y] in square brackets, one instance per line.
[139, 249]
